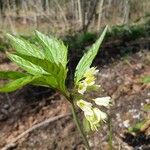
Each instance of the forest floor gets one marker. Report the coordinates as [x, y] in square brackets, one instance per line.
[120, 79]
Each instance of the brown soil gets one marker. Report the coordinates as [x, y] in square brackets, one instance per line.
[24, 108]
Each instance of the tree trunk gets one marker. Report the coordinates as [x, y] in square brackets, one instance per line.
[100, 13]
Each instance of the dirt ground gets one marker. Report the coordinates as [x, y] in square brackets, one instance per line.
[120, 79]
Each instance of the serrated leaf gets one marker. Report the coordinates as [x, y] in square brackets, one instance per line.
[50, 67]
[16, 84]
[55, 50]
[46, 81]
[24, 47]
[57, 74]
[56, 71]
[11, 75]
[88, 58]
[27, 65]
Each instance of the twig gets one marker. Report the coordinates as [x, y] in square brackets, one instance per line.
[45, 122]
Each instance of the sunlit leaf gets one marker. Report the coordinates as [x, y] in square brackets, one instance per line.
[16, 84]
[46, 81]
[11, 75]
[54, 49]
[56, 71]
[26, 48]
[88, 58]
[27, 65]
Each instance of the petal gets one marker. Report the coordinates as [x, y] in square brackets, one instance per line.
[103, 101]
[82, 87]
[100, 114]
[91, 72]
[85, 106]
[95, 118]
[82, 91]
[90, 80]
[97, 115]
[103, 116]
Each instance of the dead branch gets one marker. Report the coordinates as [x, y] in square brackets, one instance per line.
[43, 123]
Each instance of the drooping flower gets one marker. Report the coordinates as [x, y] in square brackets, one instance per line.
[103, 101]
[93, 115]
[85, 106]
[95, 118]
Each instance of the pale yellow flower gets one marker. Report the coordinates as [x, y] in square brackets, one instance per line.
[95, 118]
[82, 87]
[89, 80]
[91, 72]
[85, 106]
[103, 101]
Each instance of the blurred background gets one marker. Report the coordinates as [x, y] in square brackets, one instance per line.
[68, 16]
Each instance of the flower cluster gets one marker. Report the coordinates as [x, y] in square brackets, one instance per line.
[92, 114]
[89, 80]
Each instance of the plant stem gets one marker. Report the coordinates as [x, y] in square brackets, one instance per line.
[79, 126]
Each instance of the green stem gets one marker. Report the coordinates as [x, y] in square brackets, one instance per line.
[79, 126]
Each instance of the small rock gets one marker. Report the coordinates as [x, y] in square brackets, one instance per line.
[126, 123]
[6, 106]
[136, 116]
[4, 111]
[147, 100]
[3, 117]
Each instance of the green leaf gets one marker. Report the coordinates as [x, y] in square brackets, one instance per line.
[147, 107]
[11, 75]
[24, 47]
[27, 65]
[88, 58]
[146, 79]
[136, 128]
[54, 49]
[56, 71]
[49, 65]
[46, 81]
[16, 84]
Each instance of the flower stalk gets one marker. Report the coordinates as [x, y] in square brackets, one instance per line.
[78, 124]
